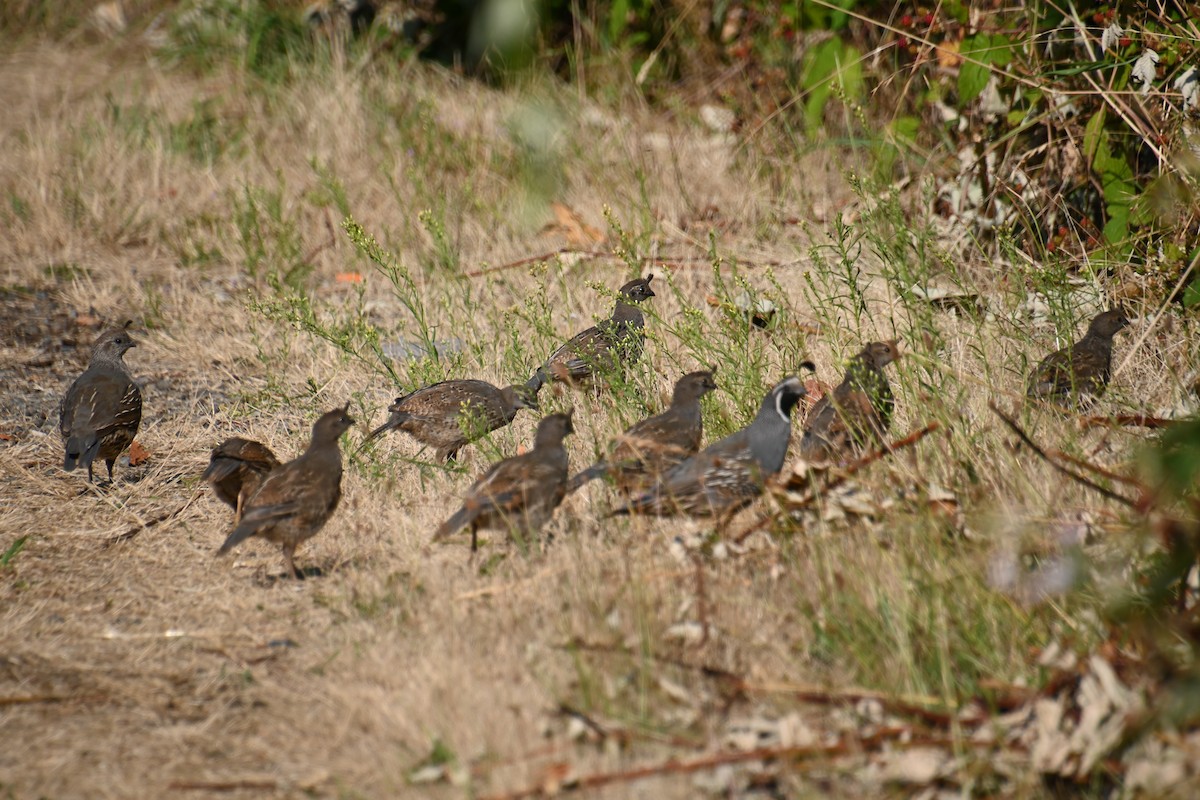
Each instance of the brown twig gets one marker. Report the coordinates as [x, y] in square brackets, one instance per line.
[844, 475]
[1127, 420]
[1112, 476]
[222, 786]
[701, 600]
[896, 736]
[521, 262]
[33, 699]
[1042, 454]
[136, 529]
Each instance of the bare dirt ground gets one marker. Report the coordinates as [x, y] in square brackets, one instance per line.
[149, 668]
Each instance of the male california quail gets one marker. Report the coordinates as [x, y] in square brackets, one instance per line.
[451, 414]
[296, 500]
[1079, 374]
[236, 469]
[603, 349]
[727, 475]
[857, 413]
[100, 414]
[519, 492]
[654, 445]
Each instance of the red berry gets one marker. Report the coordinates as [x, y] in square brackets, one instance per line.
[906, 21]
[1125, 41]
[902, 42]
[927, 19]
[1062, 231]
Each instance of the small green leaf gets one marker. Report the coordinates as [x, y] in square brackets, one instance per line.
[12, 550]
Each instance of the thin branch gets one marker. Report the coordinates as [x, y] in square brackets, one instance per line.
[899, 737]
[1127, 420]
[1042, 454]
[222, 786]
[136, 529]
[842, 476]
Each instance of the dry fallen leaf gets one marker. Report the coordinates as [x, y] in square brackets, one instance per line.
[138, 454]
[568, 223]
[348, 277]
[947, 54]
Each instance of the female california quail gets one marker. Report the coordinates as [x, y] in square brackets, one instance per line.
[100, 414]
[727, 475]
[1079, 374]
[451, 414]
[521, 492]
[857, 413]
[604, 349]
[296, 500]
[236, 468]
[654, 445]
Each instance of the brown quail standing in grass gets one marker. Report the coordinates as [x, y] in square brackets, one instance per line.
[856, 414]
[728, 475]
[604, 349]
[654, 445]
[518, 493]
[100, 414]
[1079, 374]
[296, 500]
[451, 414]
[236, 469]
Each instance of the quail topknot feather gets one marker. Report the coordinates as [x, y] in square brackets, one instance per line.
[857, 413]
[297, 499]
[236, 468]
[521, 492]
[730, 474]
[451, 414]
[651, 447]
[1078, 374]
[604, 349]
[101, 411]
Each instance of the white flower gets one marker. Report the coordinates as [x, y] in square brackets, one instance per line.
[1143, 69]
[1188, 85]
[1111, 36]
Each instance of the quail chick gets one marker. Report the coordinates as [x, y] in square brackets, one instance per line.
[857, 413]
[521, 492]
[451, 414]
[730, 474]
[297, 499]
[100, 414]
[603, 349]
[236, 469]
[1079, 374]
[654, 445]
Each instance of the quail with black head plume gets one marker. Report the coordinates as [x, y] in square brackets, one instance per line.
[728, 475]
[297, 499]
[101, 412]
[604, 349]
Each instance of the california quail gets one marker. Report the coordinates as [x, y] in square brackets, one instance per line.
[100, 414]
[857, 413]
[727, 475]
[296, 500]
[1078, 374]
[603, 349]
[521, 492]
[236, 469]
[654, 445]
[451, 414]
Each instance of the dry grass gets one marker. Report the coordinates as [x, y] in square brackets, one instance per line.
[150, 664]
